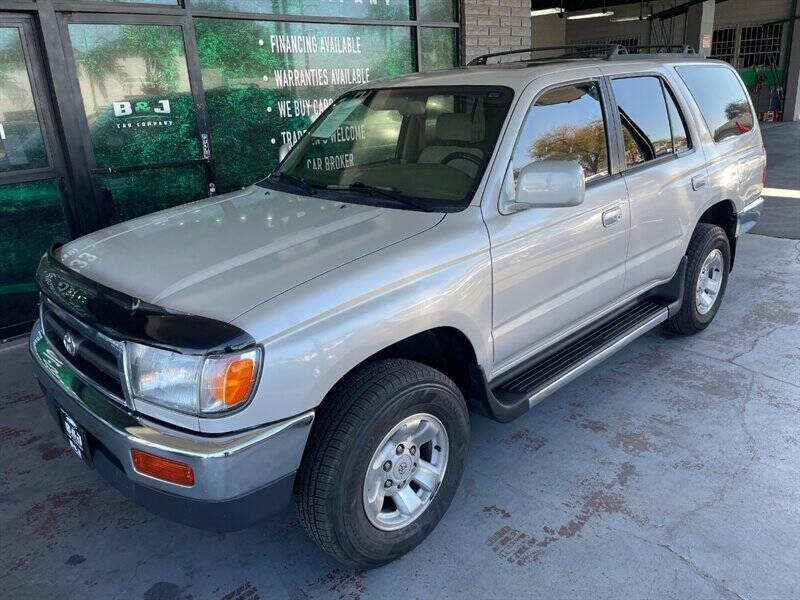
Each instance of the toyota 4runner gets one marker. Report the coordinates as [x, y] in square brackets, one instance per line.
[468, 240]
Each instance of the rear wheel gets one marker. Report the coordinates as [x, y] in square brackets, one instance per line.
[383, 463]
[709, 259]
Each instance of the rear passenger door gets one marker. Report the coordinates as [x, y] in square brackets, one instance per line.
[733, 149]
[665, 175]
[553, 268]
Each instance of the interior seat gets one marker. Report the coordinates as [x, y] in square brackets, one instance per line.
[456, 132]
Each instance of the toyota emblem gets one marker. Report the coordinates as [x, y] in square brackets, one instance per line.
[70, 345]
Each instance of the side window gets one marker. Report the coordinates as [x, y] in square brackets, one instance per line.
[565, 124]
[645, 122]
[721, 98]
[680, 139]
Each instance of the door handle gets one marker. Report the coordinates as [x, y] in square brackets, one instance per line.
[698, 181]
[612, 216]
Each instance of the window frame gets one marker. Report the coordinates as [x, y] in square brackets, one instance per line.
[612, 151]
[665, 88]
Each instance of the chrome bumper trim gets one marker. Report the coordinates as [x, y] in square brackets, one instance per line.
[749, 216]
[225, 467]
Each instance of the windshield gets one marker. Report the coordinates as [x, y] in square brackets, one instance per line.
[416, 148]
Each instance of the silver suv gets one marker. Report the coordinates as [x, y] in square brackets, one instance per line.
[468, 240]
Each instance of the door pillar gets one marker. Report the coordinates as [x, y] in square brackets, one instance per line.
[700, 26]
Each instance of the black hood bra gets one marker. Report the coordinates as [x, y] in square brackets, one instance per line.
[124, 317]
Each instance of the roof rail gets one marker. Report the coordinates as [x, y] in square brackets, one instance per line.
[577, 49]
[605, 51]
[653, 50]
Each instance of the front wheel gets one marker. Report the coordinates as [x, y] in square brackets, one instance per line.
[709, 260]
[383, 462]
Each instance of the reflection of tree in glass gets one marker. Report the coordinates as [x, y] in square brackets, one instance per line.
[736, 109]
[101, 51]
[10, 61]
[378, 10]
[161, 48]
[586, 144]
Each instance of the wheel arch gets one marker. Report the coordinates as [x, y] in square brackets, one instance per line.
[444, 348]
[723, 214]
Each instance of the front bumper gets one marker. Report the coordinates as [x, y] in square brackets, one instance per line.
[749, 216]
[240, 478]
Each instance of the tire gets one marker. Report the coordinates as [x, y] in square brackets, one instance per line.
[708, 243]
[350, 426]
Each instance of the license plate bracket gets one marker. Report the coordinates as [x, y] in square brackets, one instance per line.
[75, 435]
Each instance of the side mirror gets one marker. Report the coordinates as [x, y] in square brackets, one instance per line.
[548, 184]
[283, 151]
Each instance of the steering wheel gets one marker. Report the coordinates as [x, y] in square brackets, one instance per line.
[462, 155]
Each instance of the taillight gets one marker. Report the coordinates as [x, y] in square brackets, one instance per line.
[764, 170]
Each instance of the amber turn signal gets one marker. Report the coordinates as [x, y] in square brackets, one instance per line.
[162, 468]
[228, 380]
[234, 385]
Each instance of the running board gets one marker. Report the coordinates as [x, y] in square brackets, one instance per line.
[525, 387]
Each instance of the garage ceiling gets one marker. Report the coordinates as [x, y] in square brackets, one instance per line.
[666, 9]
[571, 5]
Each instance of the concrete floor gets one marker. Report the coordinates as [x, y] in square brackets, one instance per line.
[670, 471]
[781, 215]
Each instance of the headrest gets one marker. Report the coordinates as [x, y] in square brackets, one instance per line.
[457, 127]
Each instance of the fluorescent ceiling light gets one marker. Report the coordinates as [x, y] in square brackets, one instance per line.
[625, 19]
[546, 11]
[592, 15]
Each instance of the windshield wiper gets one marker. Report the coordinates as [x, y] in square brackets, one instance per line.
[283, 177]
[374, 190]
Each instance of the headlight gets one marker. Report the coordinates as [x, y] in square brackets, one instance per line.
[191, 384]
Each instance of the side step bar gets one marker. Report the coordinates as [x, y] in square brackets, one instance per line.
[516, 392]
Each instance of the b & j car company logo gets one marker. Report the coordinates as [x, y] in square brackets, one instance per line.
[142, 113]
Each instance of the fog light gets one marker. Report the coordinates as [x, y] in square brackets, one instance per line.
[162, 468]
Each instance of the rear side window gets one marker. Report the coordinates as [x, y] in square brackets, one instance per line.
[721, 98]
[565, 123]
[644, 118]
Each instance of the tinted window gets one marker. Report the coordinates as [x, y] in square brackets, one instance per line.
[680, 139]
[721, 99]
[565, 124]
[645, 122]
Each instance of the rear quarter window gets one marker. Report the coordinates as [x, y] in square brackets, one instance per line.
[722, 99]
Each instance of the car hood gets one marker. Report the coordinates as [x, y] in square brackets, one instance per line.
[222, 256]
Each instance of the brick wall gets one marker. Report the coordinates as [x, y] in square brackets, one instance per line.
[494, 26]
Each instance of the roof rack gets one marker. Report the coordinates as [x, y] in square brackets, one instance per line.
[580, 48]
[653, 50]
[604, 51]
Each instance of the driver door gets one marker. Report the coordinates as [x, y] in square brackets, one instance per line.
[555, 269]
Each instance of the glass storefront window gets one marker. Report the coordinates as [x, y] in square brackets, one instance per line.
[266, 81]
[437, 10]
[135, 88]
[389, 10]
[21, 142]
[135, 194]
[170, 2]
[439, 48]
[30, 220]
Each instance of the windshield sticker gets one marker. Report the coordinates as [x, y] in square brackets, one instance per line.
[336, 117]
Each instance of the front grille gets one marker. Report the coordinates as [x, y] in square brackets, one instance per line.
[95, 356]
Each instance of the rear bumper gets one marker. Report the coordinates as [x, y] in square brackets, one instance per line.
[749, 216]
[240, 478]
